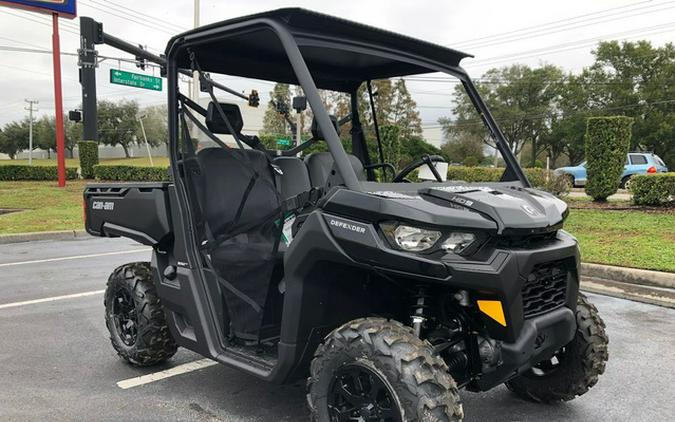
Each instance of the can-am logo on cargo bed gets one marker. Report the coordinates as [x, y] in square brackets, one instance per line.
[347, 226]
[100, 205]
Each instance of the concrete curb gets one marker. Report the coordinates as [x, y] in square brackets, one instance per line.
[629, 275]
[30, 237]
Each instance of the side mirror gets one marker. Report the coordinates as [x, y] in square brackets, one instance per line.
[216, 123]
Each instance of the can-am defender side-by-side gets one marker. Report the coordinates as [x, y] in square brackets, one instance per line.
[387, 297]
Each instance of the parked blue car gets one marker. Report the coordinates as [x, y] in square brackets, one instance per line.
[636, 163]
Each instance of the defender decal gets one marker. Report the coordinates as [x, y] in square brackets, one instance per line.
[347, 226]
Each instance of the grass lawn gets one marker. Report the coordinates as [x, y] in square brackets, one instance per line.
[74, 162]
[46, 206]
[626, 238]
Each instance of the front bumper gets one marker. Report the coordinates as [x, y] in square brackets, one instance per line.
[539, 339]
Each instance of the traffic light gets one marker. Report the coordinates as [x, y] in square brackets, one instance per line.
[75, 116]
[140, 61]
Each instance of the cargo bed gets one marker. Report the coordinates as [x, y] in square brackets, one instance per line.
[139, 211]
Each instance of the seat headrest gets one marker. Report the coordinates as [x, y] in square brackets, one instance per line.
[216, 123]
[316, 130]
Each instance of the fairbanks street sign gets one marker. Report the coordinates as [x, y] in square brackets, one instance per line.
[135, 80]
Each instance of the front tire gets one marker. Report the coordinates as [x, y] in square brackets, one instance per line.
[574, 369]
[135, 317]
[373, 369]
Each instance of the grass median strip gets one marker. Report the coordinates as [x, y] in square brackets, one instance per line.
[167, 373]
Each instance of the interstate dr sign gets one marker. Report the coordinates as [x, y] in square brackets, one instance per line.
[136, 80]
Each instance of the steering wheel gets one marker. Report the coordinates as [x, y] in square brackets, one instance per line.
[426, 159]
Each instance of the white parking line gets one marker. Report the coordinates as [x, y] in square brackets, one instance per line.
[171, 372]
[68, 258]
[51, 299]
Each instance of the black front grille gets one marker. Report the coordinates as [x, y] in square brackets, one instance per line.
[544, 289]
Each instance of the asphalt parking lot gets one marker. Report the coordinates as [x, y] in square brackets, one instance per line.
[57, 363]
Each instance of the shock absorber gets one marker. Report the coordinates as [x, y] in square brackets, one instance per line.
[419, 314]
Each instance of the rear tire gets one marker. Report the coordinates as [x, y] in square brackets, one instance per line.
[580, 363]
[625, 182]
[135, 317]
[377, 369]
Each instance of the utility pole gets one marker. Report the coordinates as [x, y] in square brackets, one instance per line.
[30, 128]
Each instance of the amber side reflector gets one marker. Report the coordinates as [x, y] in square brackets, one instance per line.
[493, 309]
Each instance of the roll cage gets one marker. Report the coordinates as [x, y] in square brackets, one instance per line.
[317, 51]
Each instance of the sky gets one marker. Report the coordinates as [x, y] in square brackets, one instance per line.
[498, 33]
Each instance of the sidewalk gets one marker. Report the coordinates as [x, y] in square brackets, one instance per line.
[621, 195]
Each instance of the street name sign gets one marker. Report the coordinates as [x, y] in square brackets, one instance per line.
[136, 80]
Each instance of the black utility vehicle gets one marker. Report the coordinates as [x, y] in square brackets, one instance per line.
[387, 297]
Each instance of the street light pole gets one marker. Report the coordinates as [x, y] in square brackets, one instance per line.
[30, 129]
[145, 138]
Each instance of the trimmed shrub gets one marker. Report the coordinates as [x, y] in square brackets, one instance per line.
[131, 173]
[653, 189]
[607, 143]
[23, 172]
[537, 177]
[475, 174]
[88, 151]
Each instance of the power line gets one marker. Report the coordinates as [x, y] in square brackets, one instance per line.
[652, 30]
[547, 25]
[109, 3]
[147, 23]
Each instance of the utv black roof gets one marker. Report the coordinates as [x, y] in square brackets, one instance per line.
[359, 52]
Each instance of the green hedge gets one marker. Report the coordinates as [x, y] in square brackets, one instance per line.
[653, 189]
[88, 152]
[607, 143]
[23, 172]
[536, 176]
[131, 173]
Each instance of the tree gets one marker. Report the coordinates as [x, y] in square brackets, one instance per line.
[464, 146]
[638, 82]
[14, 138]
[391, 144]
[117, 124]
[404, 113]
[521, 100]
[44, 134]
[73, 134]
[156, 125]
[274, 122]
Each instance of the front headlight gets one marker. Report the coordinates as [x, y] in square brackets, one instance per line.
[409, 238]
[458, 242]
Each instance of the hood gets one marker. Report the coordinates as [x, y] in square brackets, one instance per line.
[515, 210]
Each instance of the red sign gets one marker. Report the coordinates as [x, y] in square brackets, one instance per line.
[65, 8]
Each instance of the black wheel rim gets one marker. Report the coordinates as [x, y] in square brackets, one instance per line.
[359, 394]
[549, 366]
[124, 315]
